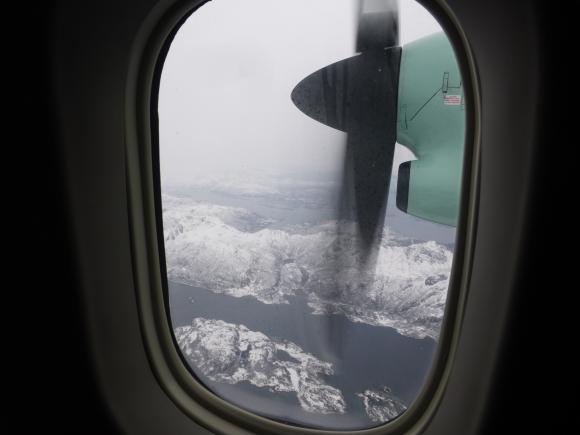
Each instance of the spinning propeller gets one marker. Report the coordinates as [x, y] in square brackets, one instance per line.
[358, 95]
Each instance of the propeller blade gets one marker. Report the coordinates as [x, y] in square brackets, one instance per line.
[378, 24]
[358, 95]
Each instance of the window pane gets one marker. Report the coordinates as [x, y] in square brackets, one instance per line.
[310, 175]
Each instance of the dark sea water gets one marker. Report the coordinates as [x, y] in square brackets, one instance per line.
[363, 356]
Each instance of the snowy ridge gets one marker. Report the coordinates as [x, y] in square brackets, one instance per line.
[253, 184]
[233, 184]
[229, 250]
[230, 353]
[381, 406]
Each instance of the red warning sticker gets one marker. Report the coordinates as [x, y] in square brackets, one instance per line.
[452, 100]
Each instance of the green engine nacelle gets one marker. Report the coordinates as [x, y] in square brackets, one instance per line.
[410, 95]
[431, 123]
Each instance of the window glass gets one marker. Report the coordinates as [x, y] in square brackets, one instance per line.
[310, 161]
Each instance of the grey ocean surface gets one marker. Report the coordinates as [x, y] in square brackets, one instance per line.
[363, 356]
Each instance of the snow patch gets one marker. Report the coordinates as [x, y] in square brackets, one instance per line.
[381, 405]
[231, 353]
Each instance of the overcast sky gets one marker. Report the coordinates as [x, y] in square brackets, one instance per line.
[224, 100]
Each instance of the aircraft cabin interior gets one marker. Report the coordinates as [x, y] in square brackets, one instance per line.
[299, 217]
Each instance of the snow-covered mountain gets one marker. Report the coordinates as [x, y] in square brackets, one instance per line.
[230, 353]
[381, 405]
[232, 251]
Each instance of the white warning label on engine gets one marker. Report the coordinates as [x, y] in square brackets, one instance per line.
[451, 100]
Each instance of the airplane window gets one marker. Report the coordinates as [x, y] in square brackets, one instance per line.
[310, 162]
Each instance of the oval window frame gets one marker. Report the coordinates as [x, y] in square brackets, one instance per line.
[145, 221]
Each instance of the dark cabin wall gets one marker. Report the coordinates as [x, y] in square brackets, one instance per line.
[54, 386]
[51, 384]
[535, 390]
